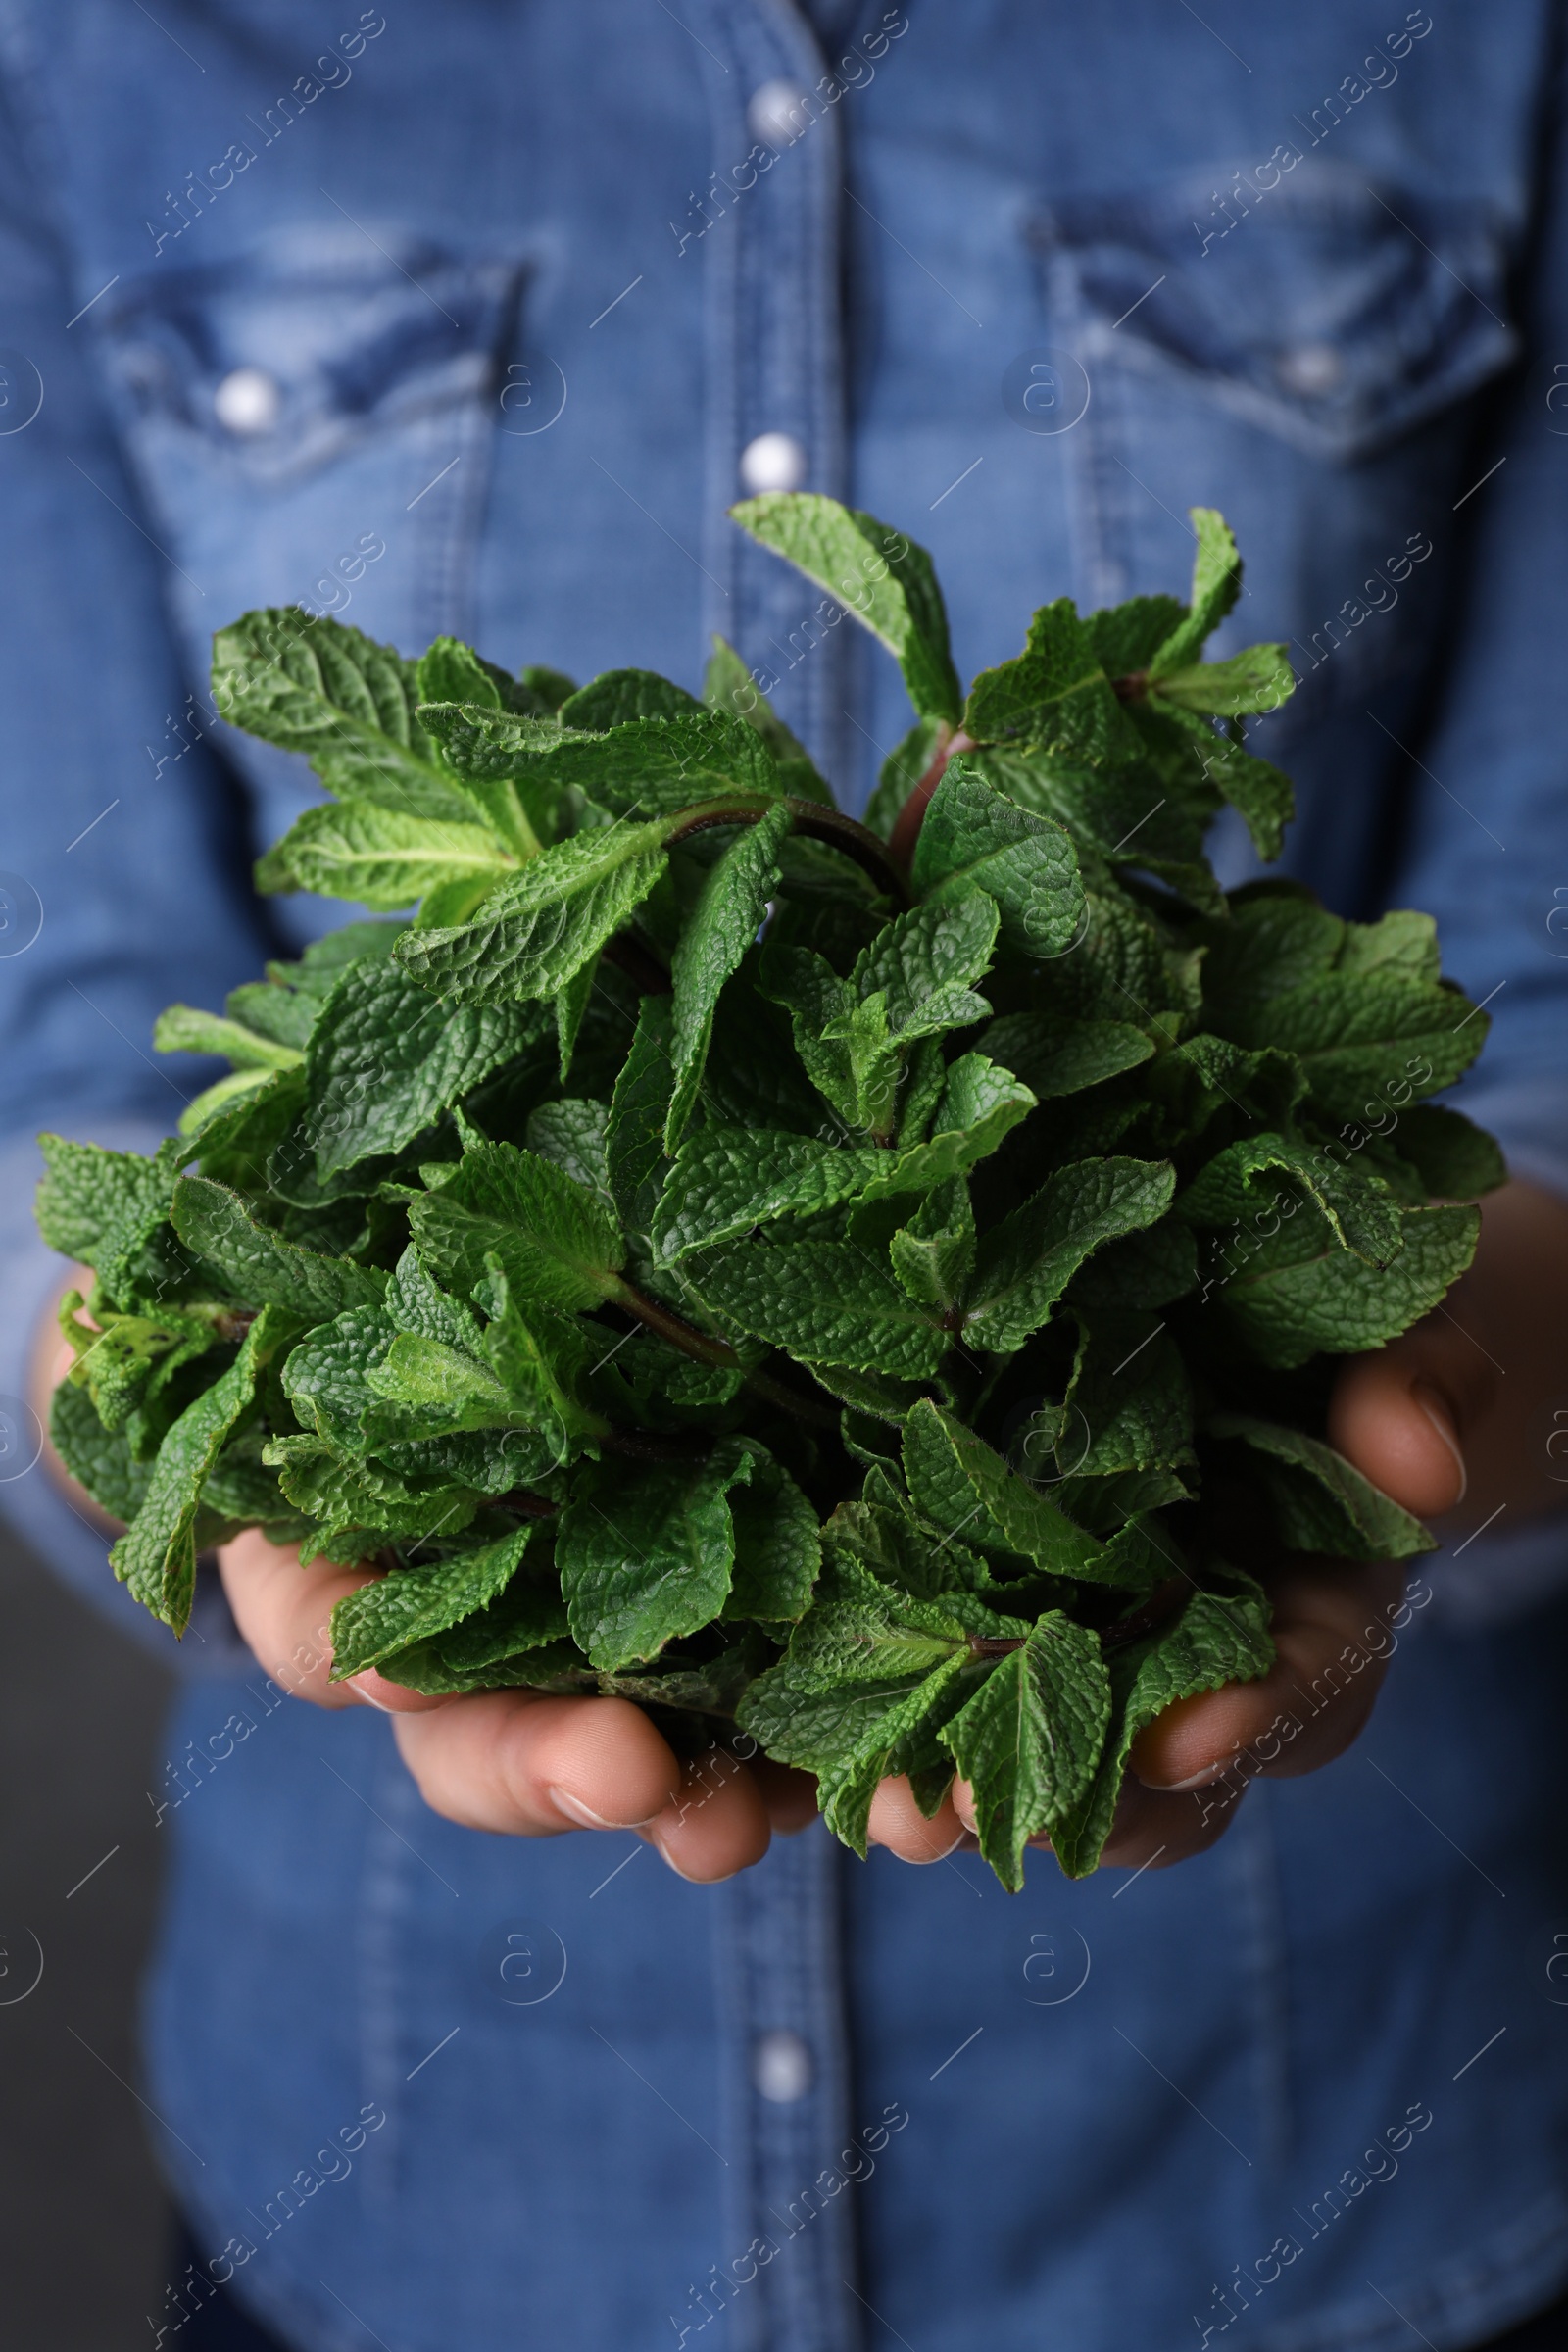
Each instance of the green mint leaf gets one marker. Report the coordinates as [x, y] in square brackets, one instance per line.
[1320, 1502]
[622, 695]
[1127, 637]
[259, 1264]
[539, 929]
[515, 1637]
[557, 1242]
[634, 1138]
[933, 1256]
[1055, 1060]
[646, 1557]
[729, 687]
[386, 1059]
[973, 839]
[960, 1483]
[1221, 1637]
[878, 575]
[1025, 1263]
[382, 856]
[347, 702]
[1358, 1037]
[1054, 694]
[184, 1030]
[1258, 679]
[1302, 1292]
[88, 1195]
[731, 909]
[1454, 1159]
[156, 1556]
[1131, 1394]
[820, 1300]
[1216, 585]
[573, 1133]
[778, 1546]
[97, 1459]
[1234, 1186]
[410, 1605]
[1029, 1739]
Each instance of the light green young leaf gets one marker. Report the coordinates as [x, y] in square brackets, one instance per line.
[878, 575]
[1216, 585]
[539, 929]
[182, 1029]
[1055, 694]
[1258, 679]
[619, 696]
[382, 857]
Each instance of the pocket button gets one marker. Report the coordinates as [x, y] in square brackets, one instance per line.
[1311, 368]
[247, 402]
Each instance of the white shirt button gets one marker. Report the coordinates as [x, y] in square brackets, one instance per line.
[1311, 368]
[248, 401]
[781, 2068]
[777, 114]
[772, 462]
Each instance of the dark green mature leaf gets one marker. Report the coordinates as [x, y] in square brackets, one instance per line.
[778, 1549]
[1321, 1502]
[1454, 1159]
[882, 577]
[1357, 1035]
[956, 1480]
[1055, 694]
[1221, 1637]
[558, 1242]
[258, 1263]
[1030, 1738]
[156, 1556]
[729, 911]
[646, 1556]
[539, 929]
[639, 1109]
[622, 695]
[97, 1459]
[973, 839]
[90, 1196]
[1026, 1262]
[370, 1626]
[385, 1059]
[1362, 1211]
[1302, 1292]
[821, 1301]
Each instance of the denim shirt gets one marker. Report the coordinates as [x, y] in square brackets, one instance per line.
[464, 319]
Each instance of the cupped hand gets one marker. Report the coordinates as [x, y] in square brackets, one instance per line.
[1457, 1413]
[518, 1761]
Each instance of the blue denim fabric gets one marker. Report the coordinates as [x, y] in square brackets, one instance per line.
[526, 282]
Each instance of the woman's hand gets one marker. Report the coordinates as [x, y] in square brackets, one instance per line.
[518, 1761]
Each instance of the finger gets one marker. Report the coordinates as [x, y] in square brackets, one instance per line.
[1401, 1417]
[715, 1824]
[526, 1765]
[788, 1795]
[898, 1822]
[1151, 1831]
[284, 1613]
[1333, 1639]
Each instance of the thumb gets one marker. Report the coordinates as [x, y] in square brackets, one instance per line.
[1403, 1415]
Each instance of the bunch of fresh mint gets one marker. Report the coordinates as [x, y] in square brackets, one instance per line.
[868, 1289]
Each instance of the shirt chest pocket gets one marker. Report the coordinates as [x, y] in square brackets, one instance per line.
[1300, 354]
[313, 428]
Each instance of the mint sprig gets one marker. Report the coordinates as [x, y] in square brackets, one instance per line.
[870, 1289]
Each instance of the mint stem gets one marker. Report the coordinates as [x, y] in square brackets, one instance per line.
[819, 822]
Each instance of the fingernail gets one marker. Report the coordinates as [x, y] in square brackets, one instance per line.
[921, 1860]
[586, 1817]
[1204, 1778]
[369, 1699]
[1437, 1413]
[690, 1877]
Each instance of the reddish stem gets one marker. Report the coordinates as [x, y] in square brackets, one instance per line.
[911, 816]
